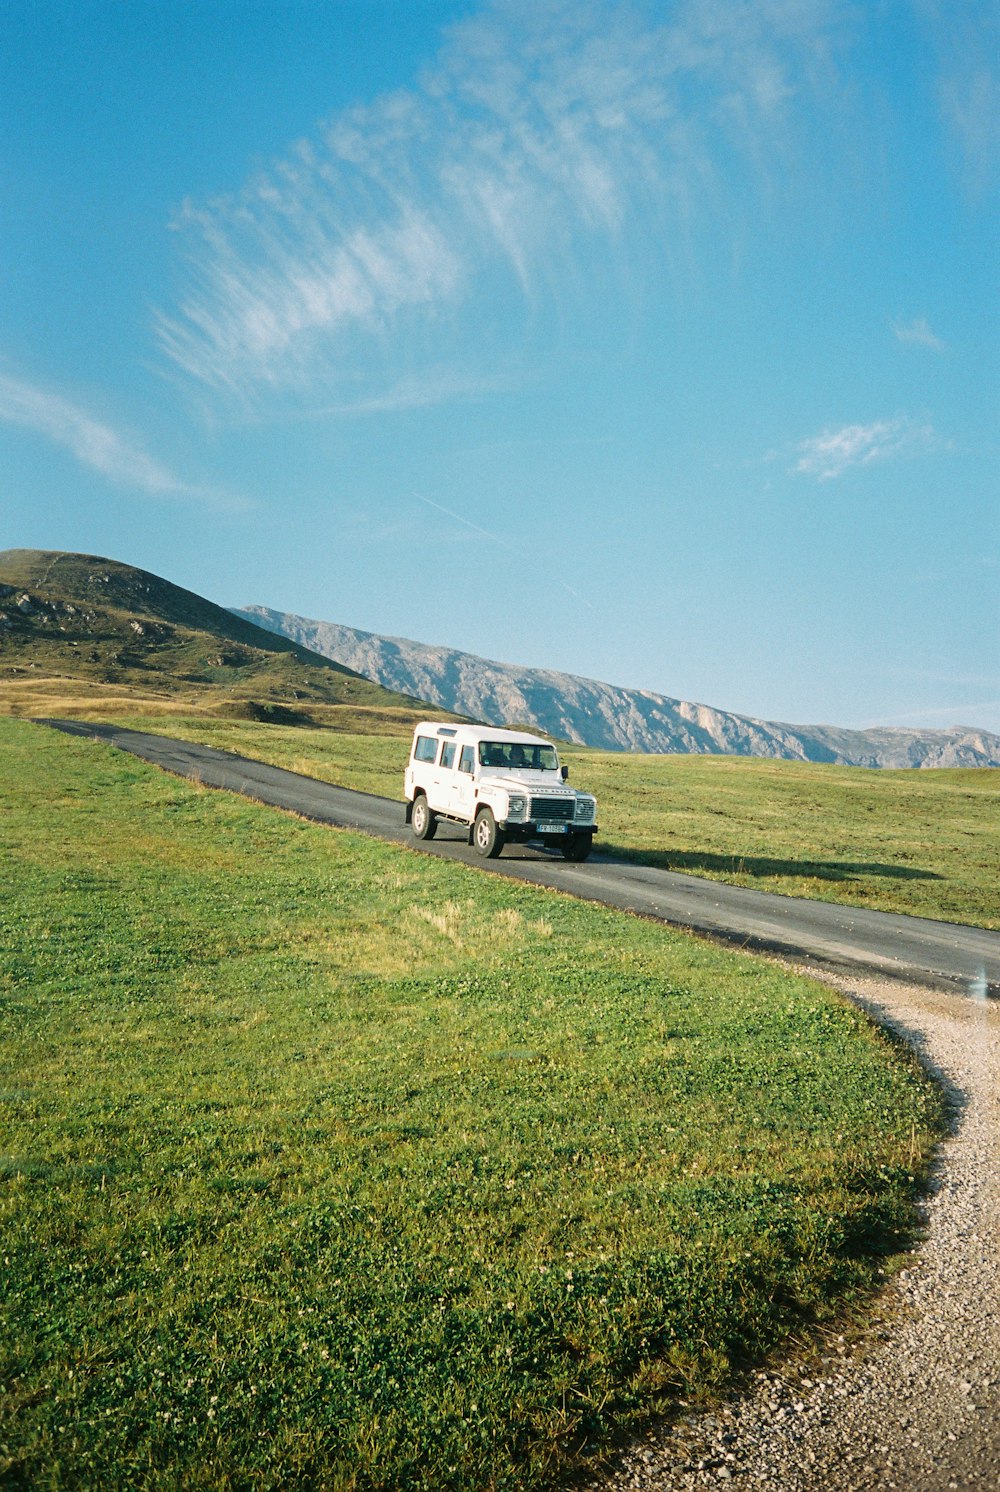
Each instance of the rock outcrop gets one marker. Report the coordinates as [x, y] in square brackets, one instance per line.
[615, 719]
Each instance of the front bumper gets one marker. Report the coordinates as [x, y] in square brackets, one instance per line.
[520, 829]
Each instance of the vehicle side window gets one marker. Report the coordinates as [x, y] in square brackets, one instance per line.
[448, 754]
[465, 760]
[424, 749]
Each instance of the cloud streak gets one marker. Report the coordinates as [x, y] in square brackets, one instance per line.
[833, 452]
[93, 443]
[496, 539]
[918, 334]
[544, 131]
[967, 39]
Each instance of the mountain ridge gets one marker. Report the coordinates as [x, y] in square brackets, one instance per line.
[610, 717]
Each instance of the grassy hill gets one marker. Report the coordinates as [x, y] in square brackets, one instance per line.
[83, 635]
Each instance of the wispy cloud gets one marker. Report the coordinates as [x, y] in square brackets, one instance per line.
[93, 443]
[544, 127]
[967, 38]
[918, 334]
[833, 452]
[435, 387]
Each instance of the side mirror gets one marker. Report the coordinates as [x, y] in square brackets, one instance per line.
[565, 774]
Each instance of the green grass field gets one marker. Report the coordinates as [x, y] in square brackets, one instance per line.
[331, 1165]
[925, 843]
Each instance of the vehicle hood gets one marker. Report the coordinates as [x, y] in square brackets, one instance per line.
[536, 783]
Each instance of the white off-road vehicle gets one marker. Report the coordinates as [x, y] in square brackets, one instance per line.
[502, 784]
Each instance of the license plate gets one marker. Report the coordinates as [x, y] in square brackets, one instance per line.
[552, 828]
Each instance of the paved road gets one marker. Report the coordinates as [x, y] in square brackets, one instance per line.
[912, 948]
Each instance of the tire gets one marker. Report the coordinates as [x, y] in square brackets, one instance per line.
[577, 846]
[422, 821]
[487, 836]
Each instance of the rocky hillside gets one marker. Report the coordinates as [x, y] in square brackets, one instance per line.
[607, 717]
[96, 624]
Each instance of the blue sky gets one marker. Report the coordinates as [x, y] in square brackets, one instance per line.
[653, 342]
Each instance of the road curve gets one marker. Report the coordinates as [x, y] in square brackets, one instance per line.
[916, 949]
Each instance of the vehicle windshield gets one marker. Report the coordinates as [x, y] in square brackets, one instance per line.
[518, 755]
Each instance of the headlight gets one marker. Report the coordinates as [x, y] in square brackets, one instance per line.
[516, 807]
[584, 810]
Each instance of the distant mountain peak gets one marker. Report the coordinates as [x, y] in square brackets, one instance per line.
[608, 717]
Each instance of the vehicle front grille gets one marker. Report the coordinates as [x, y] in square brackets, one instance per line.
[551, 810]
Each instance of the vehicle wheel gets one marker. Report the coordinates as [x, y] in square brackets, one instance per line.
[487, 836]
[577, 847]
[422, 821]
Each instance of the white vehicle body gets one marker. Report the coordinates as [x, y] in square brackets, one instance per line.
[500, 784]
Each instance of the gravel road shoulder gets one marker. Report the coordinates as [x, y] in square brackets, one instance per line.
[912, 1403]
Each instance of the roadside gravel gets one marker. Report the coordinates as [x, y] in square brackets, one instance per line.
[913, 1402]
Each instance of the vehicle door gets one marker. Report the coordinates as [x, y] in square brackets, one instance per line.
[443, 796]
[432, 780]
[422, 769]
[463, 787]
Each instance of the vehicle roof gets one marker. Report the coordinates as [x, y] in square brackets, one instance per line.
[476, 733]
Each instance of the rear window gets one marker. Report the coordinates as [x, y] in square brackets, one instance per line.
[424, 749]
